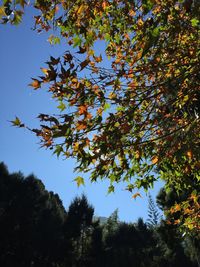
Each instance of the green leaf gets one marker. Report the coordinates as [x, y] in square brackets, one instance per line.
[147, 5]
[53, 40]
[106, 106]
[61, 106]
[77, 41]
[117, 124]
[107, 37]
[79, 180]
[155, 32]
[16, 122]
[58, 150]
[111, 189]
[17, 19]
[194, 22]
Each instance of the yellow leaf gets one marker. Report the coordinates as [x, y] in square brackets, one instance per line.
[100, 111]
[17, 122]
[79, 180]
[90, 52]
[81, 9]
[2, 12]
[189, 154]
[112, 95]
[140, 22]
[137, 154]
[76, 146]
[45, 71]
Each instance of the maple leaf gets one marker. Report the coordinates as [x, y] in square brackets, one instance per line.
[17, 122]
[136, 195]
[36, 84]
[79, 180]
[81, 125]
[98, 59]
[189, 154]
[82, 50]
[84, 64]
[82, 110]
[154, 159]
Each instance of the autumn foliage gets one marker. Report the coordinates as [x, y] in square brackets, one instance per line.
[128, 88]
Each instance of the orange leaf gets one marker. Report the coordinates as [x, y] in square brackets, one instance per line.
[154, 159]
[89, 116]
[82, 110]
[189, 154]
[136, 195]
[177, 207]
[104, 4]
[81, 126]
[98, 59]
[132, 13]
[35, 84]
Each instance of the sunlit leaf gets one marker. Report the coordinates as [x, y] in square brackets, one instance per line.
[79, 180]
[17, 122]
[61, 106]
[154, 159]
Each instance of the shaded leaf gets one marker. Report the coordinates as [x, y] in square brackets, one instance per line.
[84, 64]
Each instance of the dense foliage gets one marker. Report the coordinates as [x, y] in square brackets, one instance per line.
[35, 230]
[130, 93]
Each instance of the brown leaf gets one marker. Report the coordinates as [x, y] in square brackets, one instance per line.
[84, 64]
[54, 61]
[82, 50]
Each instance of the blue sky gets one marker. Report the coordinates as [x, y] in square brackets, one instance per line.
[22, 53]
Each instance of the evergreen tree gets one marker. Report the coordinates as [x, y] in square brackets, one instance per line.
[153, 213]
[81, 225]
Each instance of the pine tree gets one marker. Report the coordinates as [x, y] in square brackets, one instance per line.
[153, 213]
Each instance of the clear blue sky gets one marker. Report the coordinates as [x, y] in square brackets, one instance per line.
[22, 53]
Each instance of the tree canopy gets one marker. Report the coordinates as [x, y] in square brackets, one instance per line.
[128, 88]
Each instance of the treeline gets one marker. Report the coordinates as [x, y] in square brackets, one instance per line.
[36, 230]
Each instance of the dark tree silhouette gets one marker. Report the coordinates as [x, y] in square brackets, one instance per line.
[35, 230]
[153, 213]
[31, 222]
